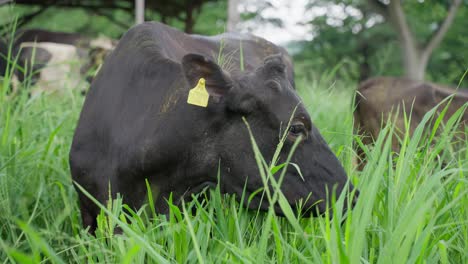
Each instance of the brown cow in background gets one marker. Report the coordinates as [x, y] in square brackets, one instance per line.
[377, 98]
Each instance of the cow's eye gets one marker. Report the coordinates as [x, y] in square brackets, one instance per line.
[297, 129]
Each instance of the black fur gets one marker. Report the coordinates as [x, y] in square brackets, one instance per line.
[136, 123]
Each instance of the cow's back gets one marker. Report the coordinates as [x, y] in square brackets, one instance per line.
[245, 51]
[40, 35]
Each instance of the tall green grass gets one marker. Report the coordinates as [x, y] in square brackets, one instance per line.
[412, 208]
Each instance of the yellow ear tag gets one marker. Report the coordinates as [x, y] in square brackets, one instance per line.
[199, 95]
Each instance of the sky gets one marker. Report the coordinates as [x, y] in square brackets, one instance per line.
[293, 15]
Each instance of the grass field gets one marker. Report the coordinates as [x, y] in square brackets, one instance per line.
[413, 207]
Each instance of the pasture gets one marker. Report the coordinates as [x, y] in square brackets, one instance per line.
[412, 205]
[412, 208]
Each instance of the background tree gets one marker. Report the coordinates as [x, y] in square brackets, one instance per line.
[185, 11]
[252, 14]
[364, 43]
[351, 39]
[415, 53]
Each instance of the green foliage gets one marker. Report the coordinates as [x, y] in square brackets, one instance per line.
[212, 20]
[450, 59]
[412, 206]
[209, 20]
[367, 46]
[69, 20]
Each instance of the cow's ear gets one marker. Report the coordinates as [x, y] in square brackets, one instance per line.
[196, 66]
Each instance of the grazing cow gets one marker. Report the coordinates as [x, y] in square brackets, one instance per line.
[376, 98]
[136, 123]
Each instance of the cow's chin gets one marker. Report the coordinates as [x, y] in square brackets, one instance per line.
[200, 188]
[302, 209]
[259, 202]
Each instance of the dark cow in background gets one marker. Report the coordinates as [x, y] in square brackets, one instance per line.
[40, 35]
[136, 123]
[378, 98]
[54, 60]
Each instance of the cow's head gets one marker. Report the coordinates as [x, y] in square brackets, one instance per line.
[32, 59]
[267, 100]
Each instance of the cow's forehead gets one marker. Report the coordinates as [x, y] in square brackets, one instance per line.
[290, 104]
[281, 103]
[285, 104]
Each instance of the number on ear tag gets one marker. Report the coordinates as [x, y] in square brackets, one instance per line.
[199, 95]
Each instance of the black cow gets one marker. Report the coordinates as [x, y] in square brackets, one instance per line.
[136, 124]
